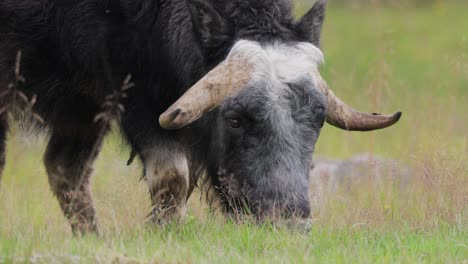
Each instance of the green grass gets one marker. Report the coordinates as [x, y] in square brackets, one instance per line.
[206, 241]
[377, 59]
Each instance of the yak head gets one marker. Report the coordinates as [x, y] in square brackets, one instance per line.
[266, 103]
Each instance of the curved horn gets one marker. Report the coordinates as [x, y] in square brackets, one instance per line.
[345, 117]
[226, 79]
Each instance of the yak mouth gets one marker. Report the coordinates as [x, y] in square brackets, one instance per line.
[288, 217]
[243, 202]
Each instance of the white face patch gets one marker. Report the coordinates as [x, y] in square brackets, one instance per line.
[280, 62]
[274, 67]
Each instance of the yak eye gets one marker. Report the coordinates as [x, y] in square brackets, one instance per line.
[234, 122]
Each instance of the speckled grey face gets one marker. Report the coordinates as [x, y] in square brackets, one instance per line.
[265, 135]
[264, 146]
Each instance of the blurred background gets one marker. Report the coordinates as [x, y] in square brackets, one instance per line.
[380, 56]
[401, 55]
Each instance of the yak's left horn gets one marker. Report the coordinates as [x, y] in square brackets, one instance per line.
[345, 117]
[226, 79]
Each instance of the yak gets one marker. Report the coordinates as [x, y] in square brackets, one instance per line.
[227, 92]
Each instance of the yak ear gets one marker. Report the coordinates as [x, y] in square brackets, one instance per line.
[310, 25]
[208, 24]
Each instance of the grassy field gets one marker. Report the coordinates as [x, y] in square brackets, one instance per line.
[377, 59]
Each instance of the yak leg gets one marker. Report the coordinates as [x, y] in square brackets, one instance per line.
[167, 176]
[68, 159]
[3, 135]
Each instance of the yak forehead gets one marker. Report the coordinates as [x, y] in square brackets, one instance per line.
[279, 62]
[277, 67]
